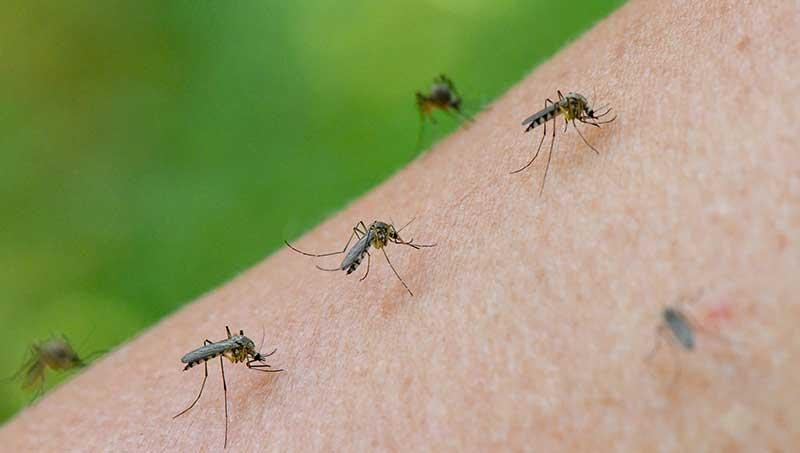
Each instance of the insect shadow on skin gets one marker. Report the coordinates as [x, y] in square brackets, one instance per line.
[378, 235]
[573, 107]
[57, 354]
[443, 96]
[237, 349]
[680, 329]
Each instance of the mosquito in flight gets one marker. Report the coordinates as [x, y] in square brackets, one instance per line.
[55, 353]
[443, 96]
[574, 107]
[377, 235]
[237, 349]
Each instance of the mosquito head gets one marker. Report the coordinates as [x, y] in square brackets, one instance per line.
[382, 232]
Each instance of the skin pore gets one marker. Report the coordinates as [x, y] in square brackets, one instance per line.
[533, 315]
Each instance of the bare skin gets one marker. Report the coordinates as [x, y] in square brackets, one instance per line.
[533, 316]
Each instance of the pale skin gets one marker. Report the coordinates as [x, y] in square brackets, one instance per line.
[533, 315]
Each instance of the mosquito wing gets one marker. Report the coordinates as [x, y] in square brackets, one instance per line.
[536, 118]
[209, 350]
[356, 253]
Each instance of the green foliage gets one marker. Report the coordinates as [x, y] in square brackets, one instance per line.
[151, 150]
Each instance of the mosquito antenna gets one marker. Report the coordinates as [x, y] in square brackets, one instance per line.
[263, 334]
[86, 338]
[407, 224]
[395, 272]
[600, 115]
[601, 108]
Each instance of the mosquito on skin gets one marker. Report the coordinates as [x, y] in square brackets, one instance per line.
[237, 349]
[681, 333]
[574, 107]
[378, 235]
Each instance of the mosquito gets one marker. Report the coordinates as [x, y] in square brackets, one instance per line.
[378, 235]
[55, 353]
[574, 107]
[443, 96]
[237, 349]
[682, 331]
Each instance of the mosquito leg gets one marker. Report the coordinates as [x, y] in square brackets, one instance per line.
[27, 364]
[584, 139]
[395, 271]
[538, 148]
[39, 390]
[676, 374]
[464, 116]
[320, 255]
[367, 272]
[225, 398]
[458, 114]
[656, 343]
[549, 155]
[421, 130]
[205, 377]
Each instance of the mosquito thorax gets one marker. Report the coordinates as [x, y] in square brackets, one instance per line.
[441, 94]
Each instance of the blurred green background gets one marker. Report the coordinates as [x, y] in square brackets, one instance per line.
[151, 150]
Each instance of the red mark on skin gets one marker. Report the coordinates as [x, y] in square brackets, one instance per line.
[718, 314]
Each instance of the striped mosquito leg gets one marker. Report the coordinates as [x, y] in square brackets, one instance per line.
[225, 398]
[205, 377]
[550, 154]
[544, 134]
